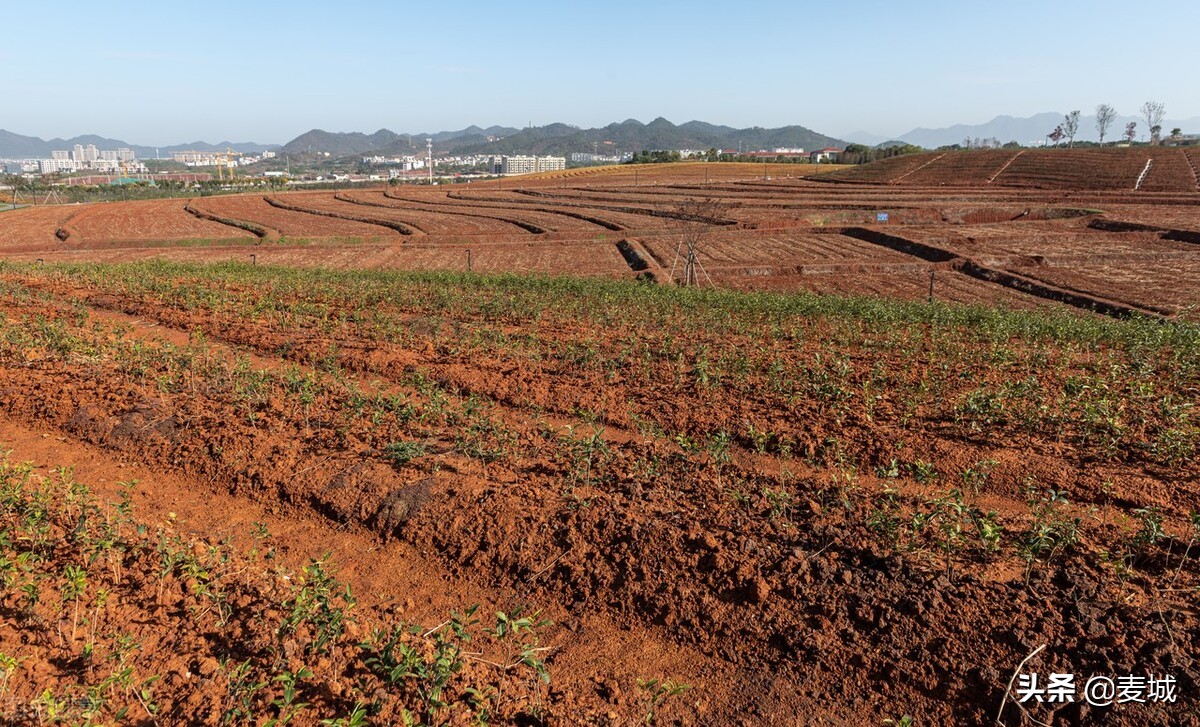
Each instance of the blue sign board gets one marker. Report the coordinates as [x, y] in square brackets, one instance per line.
[881, 216]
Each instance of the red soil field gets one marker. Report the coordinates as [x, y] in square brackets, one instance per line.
[430, 223]
[1172, 217]
[1050, 241]
[551, 258]
[1167, 285]
[785, 249]
[1067, 169]
[274, 493]
[253, 208]
[1169, 171]
[796, 514]
[544, 218]
[606, 217]
[948, 286]
[33, 228]
[145, 221]
[953, 210]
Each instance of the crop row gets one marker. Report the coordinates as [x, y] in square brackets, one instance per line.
[639, 436]
[103, 608]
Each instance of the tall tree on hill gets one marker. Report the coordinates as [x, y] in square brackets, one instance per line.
[1131, 131]
[1105, 115]
[1152, 111]
[1071, 126]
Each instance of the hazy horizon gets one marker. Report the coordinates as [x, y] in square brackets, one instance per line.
[158, 75]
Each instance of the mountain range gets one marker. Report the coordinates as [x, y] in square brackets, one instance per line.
[625, 136]
[384, 141]
[16, 146]
[1023, 130]
[558, 138]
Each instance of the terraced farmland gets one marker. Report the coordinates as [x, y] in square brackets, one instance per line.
[973, 212]
[256, 210]
[150, 222]
[469, 454]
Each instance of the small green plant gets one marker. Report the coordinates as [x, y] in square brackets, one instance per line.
[522, 632]
[321, 603]
[759, 439]
[885, 519]
[718, 448]
[390, 657]
[779, 502]
[1052, 531]
[1150, 530]
[8, 665]
[72, 590]
[357, 718]
[923, 472]
[953, 520]
[891, 470]
[401, 453]
[976, 476]
[585, 456]
[656, 692]
[286, 702]
[241, 692]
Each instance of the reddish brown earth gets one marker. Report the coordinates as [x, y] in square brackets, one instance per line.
[1088, 246]
[156, 221]
[1171, 169]
[784, 511]
[803, 612]
[255, 209]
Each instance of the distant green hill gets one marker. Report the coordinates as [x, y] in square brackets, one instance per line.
[627, 136]
[17, 146]
[633, 135]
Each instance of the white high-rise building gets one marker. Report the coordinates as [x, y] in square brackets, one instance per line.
[527, 164]
[88, 154]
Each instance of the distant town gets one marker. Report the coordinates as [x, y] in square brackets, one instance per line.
[88, 165]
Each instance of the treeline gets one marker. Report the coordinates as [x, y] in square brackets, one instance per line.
[713, 155]
[34, 191]
[655, 157]
[862, 154]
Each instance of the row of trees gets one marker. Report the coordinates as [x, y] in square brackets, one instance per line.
[655, 157]
[862, 154]
[1152, 112]
[35, 191]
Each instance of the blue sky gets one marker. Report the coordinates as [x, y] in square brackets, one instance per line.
[168, 72]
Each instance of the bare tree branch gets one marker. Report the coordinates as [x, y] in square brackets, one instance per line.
[1071, 126]
[1105, 115]
[1152, 111]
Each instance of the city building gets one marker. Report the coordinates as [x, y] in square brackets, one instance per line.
[88, 154]
[195, 158]
[588, 158]
[54, 166]
[509, 165]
